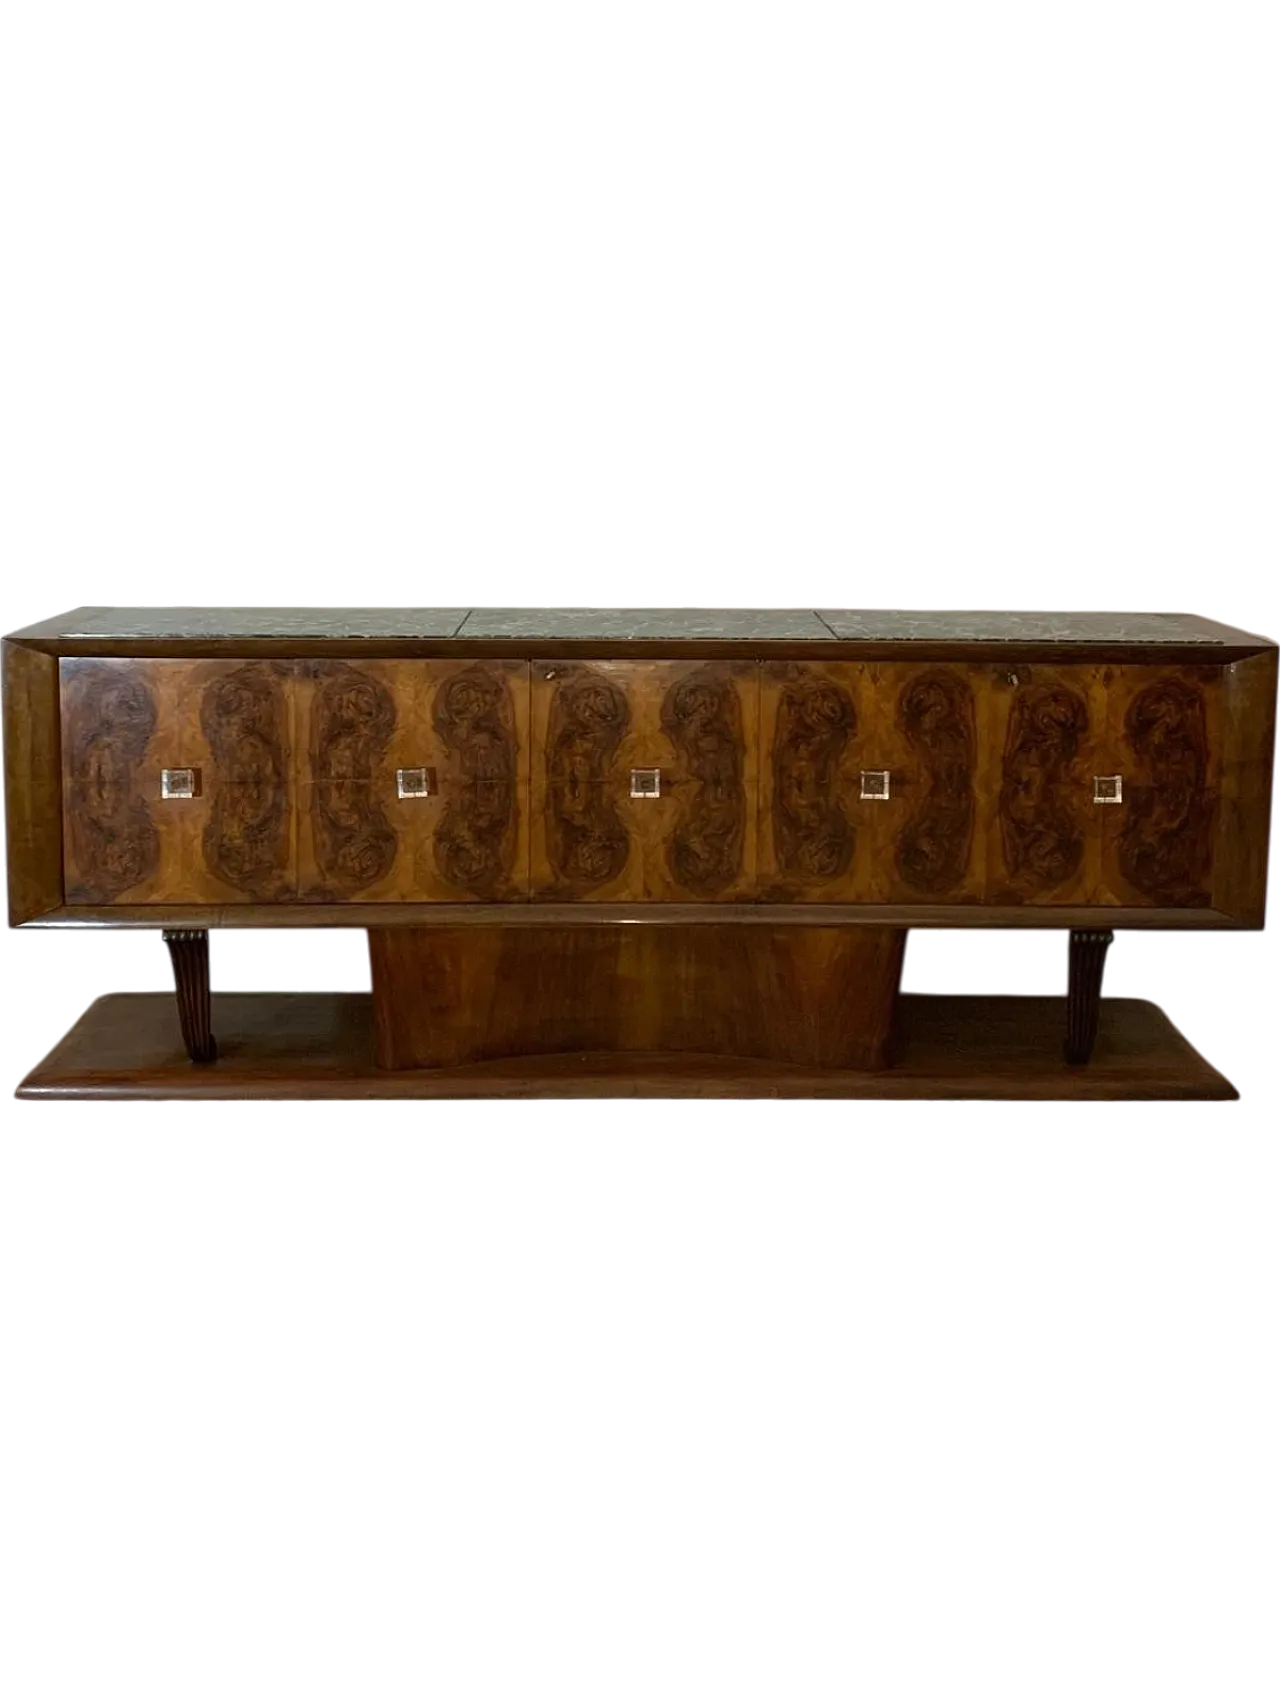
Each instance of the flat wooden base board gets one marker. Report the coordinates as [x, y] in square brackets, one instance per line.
[309, 1046]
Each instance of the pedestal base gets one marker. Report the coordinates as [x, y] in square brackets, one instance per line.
[322, 1046]
[805, 995]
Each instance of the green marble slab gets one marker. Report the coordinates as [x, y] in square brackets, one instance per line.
[265, 622]
[656, 624]
[1050, 627]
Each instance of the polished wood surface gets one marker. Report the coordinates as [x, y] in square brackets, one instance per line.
[813, 997]
[650, 915]
[1244, 819]
[1049, 736]
[297, 780]
[825, 727]
[764, 766]
[466, 726]
[696, 725]
[321, 1046]
[127, 721]
[32, 783]
[1165, 734]
[991, 783]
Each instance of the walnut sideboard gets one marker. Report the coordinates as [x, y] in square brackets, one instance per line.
[644, 852]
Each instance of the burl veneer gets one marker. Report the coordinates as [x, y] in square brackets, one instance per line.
[675, 834]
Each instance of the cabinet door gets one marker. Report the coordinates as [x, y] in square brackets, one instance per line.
[871, 784]
[1049, 740]
[924, 741]
[644, 781]
[177, 780]
[415, 780]
[1164, 728]
[813, 835]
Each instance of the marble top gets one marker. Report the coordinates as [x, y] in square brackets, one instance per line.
[264, 622]
[649, 624]
[1050, 626]
[267, 623]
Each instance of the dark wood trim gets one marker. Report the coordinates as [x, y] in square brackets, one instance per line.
[1088, 959]
[32, 782]
[1244, 815]
[994, 652]
[189, 952]
[555, 914]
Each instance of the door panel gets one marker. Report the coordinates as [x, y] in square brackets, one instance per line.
[230, 725]
[813, 841]
[416, 781]
[1165, 740]
[925, 726]
[1049, 740]
[595, 724]
[872, 782]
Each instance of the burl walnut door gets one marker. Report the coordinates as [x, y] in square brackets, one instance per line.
[644, 781]
[1108, 785]
[870, 782]
[177, 780]
[1165, 746]
[1050, 740]
[415, 781]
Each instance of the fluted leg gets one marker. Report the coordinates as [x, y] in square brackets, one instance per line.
[189, 951]
[1084, 992]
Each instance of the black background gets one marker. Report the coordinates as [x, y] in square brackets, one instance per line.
[1219, 984]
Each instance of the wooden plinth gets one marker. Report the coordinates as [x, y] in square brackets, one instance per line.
[322, 1046]
[807, 996]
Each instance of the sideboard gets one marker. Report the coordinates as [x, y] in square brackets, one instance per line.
[635, 852]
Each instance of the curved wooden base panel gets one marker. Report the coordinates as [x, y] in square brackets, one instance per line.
[811, 997]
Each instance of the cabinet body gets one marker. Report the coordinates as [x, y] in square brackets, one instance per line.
[757, 760]
[504, 780]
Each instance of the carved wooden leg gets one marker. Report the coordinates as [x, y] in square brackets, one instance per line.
[1084, 992]
[189, 951]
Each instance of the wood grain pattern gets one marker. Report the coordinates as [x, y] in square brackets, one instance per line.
[1045, 836]
[928, 729]
[352, 714]
[1244, 816]
[702, 719]
[124, 722]
[923, 726]
[32, 783]
[587, 843]
[991, 802]
[936, 714]
[465, 723]
[592, 725]
[248, 837]
[1167, 727]
[817, 997]
[320, 1046]
[113, 846]
[808, 781]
